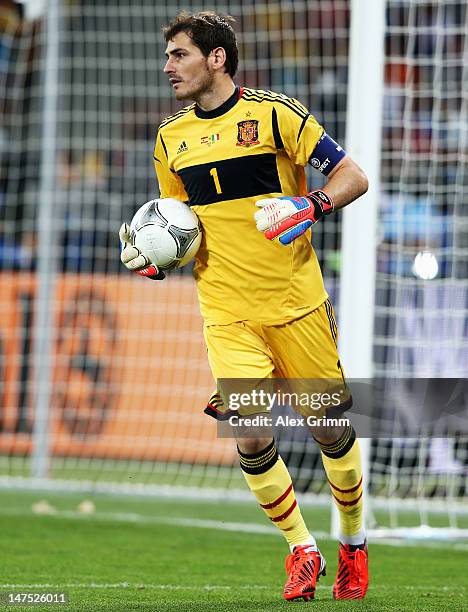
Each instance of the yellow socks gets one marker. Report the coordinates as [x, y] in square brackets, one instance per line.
[342, 463]
[270, 482]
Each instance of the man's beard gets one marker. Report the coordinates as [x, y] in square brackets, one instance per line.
[204, 83]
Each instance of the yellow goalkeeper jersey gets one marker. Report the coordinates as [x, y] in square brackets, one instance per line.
[221, 162]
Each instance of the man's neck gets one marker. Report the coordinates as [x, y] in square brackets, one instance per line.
[211, 99]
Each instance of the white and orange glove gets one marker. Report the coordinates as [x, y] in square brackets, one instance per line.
[288, 217]
[133, 259]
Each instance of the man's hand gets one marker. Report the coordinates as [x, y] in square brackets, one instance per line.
[288, 217]
[133, 259]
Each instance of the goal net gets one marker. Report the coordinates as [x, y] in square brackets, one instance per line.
[421, 290]
[104, 377]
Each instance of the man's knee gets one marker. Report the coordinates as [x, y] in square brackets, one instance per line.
[330, 429]
[251, 446]
[327, 434]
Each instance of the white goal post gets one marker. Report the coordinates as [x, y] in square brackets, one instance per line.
[360, 227]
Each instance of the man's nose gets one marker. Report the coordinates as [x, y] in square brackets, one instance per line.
[168, 67]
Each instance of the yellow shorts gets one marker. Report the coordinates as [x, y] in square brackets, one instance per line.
[303, 350]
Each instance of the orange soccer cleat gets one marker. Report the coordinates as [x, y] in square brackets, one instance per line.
[304, 567]
[352, 577]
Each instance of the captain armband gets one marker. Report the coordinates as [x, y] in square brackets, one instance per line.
[326, 155]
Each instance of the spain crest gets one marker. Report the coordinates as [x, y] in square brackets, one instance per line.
[247, 133]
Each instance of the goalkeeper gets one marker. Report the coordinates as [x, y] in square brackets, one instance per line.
[237, 157]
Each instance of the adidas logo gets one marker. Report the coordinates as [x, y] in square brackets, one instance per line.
[183, 147]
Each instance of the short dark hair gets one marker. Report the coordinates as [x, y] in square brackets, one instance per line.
[208, 30]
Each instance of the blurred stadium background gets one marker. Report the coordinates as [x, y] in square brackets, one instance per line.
[103, 377]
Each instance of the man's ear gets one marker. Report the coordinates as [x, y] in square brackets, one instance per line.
[217, 58]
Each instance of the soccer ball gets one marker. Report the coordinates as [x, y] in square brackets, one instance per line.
[167, 231]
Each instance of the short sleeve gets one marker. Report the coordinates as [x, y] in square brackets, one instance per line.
[170, 185]
[299, 131]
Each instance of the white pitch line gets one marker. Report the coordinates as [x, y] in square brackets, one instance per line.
[212, 587]
[131, 517]
[127, 585]
[191, 522]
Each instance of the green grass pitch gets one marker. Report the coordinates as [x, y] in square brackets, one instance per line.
[146, 554]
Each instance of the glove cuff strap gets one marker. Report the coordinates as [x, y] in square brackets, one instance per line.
[152, 272]
[323, 203]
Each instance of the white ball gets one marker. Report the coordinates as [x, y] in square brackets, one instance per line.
[167, 231]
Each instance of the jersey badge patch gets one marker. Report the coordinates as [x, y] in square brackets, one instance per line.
[247, 133]
[209, 140]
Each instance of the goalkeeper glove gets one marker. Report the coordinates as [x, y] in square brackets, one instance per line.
[288, 217]
[133, 259]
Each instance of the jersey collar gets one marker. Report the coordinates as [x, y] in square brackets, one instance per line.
[224, 108]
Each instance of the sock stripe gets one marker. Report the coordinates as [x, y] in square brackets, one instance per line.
[347, 503]
[338, 444]
[341, 447]
[259, 463]
[248, 456]
[285, 515]
[261, 459]
[277, 501]
[260, 469]
[345, 490]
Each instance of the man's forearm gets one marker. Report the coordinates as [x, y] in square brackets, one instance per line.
[346, 183]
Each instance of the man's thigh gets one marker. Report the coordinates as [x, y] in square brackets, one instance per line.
[238, 350]
[241, 363]
[305, 352]
[307, 347]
